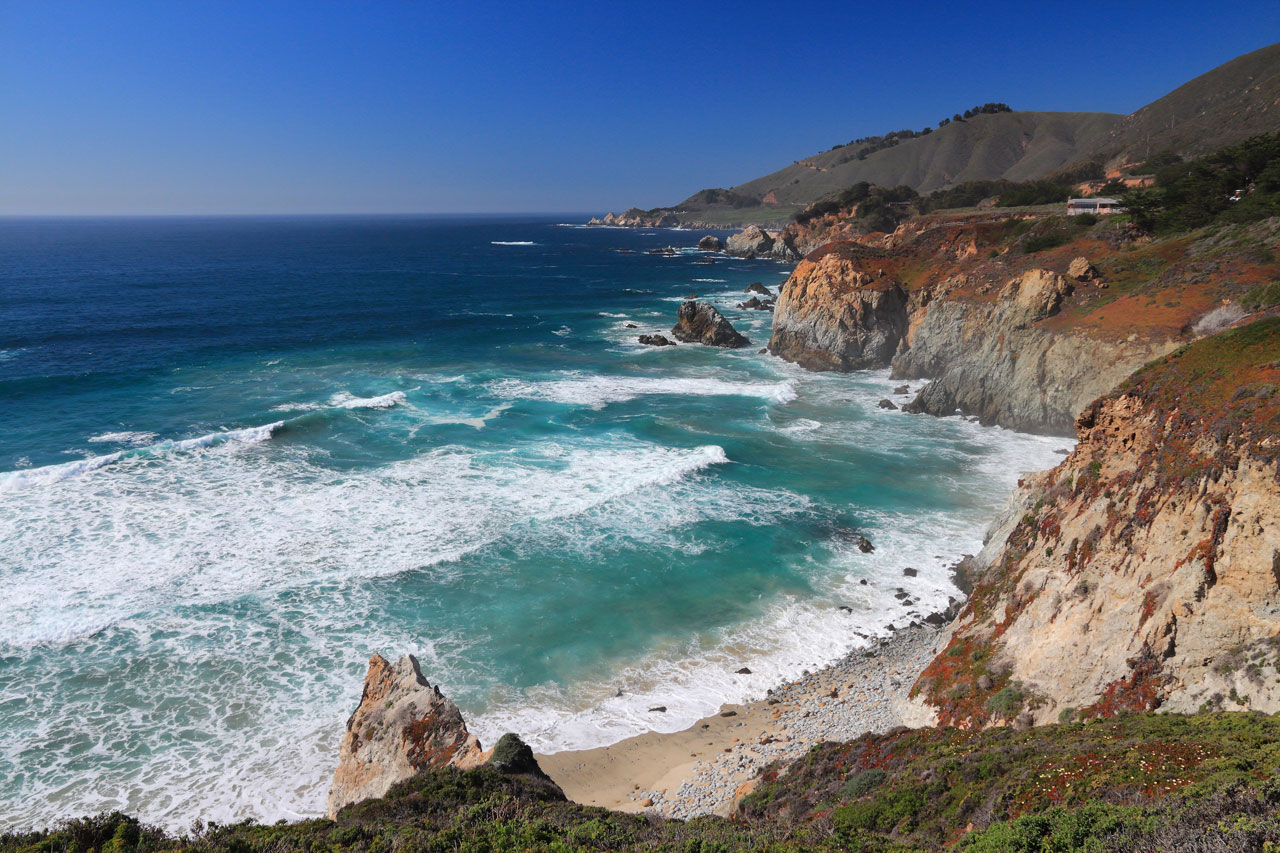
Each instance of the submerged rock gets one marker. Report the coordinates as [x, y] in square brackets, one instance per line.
[700, 323]
[402, 727]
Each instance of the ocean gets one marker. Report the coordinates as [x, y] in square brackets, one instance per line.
[240, 455]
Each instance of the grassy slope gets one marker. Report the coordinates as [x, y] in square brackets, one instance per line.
[1124, 783]
[1236, 100]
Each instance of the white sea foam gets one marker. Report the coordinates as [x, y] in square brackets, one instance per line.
[344, 400]
[16, 481]
[134, 437]
[711, 280]
[597, 391]
[478, 422]
[512, 243]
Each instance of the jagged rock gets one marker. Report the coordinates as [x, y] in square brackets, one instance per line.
[887, 404]
[658, 709]
[665, 250]
[700, 323]
[1081, 270]
[832, 315]
[864, 544]
[401, 727]
[744, 671]
[758, 288]
[632, 326]
[784, 248]
[711, 243]
[655, 341]
[756, 304]
[751, 242]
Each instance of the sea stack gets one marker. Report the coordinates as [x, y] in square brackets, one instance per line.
[701, 323]
[402, 726]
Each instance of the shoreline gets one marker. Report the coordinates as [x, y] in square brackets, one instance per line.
[702, 769]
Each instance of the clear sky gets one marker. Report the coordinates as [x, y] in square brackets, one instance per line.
[313, 107]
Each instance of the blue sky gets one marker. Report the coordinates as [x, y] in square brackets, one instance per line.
[316, 107]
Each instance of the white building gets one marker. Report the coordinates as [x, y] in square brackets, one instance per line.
[1093, 205]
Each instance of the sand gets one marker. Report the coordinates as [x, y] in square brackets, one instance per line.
[699, 770]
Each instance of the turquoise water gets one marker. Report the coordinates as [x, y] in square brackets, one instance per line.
[238, 456]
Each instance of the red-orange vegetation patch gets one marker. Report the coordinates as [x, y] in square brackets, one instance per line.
[1137, 692]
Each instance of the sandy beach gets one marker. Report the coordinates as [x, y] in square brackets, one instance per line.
[698, 770]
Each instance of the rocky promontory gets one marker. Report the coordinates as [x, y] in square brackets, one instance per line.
[1143, 572]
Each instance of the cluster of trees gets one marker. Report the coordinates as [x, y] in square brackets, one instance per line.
[878, 208]
[984, 109]
[1240, 183]
[868, 145]
[1006, 193]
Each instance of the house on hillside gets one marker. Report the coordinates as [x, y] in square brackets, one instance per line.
[1097, 205]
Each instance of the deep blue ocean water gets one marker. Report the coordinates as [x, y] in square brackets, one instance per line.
[240, 455]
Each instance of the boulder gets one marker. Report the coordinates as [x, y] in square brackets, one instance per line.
[401, 727]
[756, 304]
[751, 242]
[1081, 270]
[864, 544]
[902, 389]
[757, 287]
[656, 341]
[710, 243]
[700, 323]
[887, 404]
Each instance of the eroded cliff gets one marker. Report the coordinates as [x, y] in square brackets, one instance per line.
[1144, 570]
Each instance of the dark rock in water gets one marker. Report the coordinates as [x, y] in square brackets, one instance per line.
[755, 303]
[862, 582]
[763, 351]
[937, 620]
[655, 341]
[512, 755]
[757, 287]
[902, 389]
[1063, 451]
[846, 608]
[910, 572]
[901, 596]
[864, 544]
[751, 242]
[658, 709]
[744, 671]
[891, 627]
[632, 326]
[710, 243]
[704, 261]
[887, 404]
[669, 250]
[700, 323]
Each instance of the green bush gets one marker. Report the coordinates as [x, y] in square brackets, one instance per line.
[1261, 297]
[862, 783]
[1006, 702]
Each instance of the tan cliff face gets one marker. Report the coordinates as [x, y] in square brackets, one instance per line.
[402, 726]
[832, 314]
[1145, 570]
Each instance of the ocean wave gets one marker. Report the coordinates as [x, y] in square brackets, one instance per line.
[16, 481]
[125, 437]
[712, 280]
[598, 391]
[345, 400]
[512, 243]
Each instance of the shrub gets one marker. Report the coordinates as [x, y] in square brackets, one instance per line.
[1006, 702]
[1261, 297]
[862, 783]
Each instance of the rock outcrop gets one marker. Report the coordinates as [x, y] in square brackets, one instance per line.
[1081, 270]
[833, 315]
[996, 360]
[701, 323]
[758, 288]
[636, 218]
[402, 726]
[751, 242]
[711, 243]
[1143, 571]
[655, 341]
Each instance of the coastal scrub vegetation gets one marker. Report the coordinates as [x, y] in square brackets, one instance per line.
[1146, 781]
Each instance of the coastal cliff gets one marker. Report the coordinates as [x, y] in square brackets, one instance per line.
[1142, 572]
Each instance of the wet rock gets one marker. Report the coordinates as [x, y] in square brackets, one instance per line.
[658, 709]
[728, 713]
[755, 303]
[864, 544]
[701, 323]
[711, 243]
[902, 389]
[667, 250]
[401, 727]
[656, 341]
[887, 404]
[632, 326]
[911, 573]
[704, 261]
[744, 671]
[759, 289]
[937, 620]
